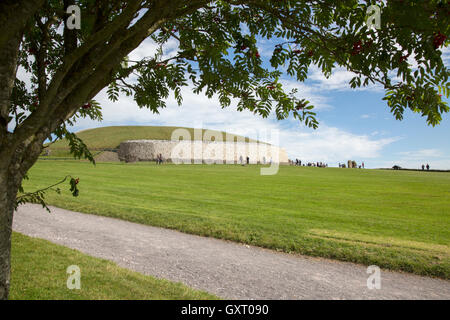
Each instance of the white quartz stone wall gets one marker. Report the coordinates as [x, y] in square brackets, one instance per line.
[201, 151]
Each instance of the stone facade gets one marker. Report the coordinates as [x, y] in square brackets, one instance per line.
[201, 152]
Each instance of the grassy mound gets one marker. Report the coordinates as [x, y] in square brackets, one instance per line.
[107, 138]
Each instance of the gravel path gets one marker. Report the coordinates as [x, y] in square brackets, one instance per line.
[227, 269]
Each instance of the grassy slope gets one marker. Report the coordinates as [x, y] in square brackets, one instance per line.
[39, 272]
[398, 220]
[111, 137]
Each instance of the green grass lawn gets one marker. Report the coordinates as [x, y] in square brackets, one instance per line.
[39, 272]
[394, 219]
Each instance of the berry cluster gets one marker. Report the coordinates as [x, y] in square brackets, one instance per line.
[439, 40]
[357, 48]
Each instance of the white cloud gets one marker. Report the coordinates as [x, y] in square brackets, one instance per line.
[148, 48]
[332, 145]
[313, 95]
[339, 80]
[446, 55]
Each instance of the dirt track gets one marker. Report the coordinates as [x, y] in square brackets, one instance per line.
[224, 268]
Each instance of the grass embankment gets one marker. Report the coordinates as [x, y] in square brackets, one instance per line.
[39, 272]
[106, 138]
[394, 219]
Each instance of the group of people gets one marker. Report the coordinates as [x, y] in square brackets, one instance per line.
[351, 164]
[298, 162]
[241, 160]
[317, 164]
[159, 159]
[427, 166]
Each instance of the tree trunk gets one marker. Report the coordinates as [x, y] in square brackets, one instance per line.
[7, 201]
[13, 167]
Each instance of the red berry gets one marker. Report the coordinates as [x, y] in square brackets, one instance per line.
[357, 47]
[257, 54]
[439, 40]
[403, 58]
[297, 51]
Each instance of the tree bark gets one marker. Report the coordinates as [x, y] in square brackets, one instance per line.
[9, 186]
[12, 171]
[7, 198]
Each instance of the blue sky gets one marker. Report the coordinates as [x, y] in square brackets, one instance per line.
[354, 124]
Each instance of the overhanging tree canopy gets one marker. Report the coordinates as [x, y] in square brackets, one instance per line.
[218, 55]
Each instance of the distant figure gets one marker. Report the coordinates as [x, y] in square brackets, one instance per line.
[362, 165]
[264, 160]
[423, 167]
[248, 160]
[241, 160]
[428, 167]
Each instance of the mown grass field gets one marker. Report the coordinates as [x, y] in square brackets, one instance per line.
[394, 219]
[39, 267]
